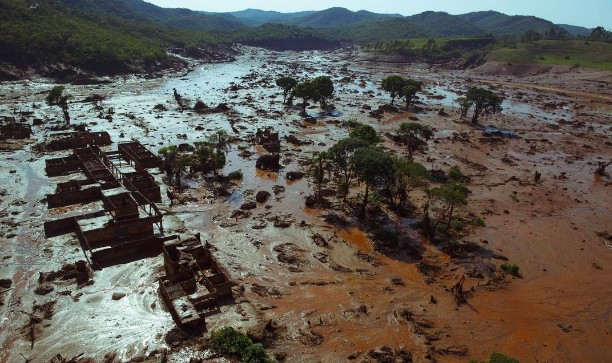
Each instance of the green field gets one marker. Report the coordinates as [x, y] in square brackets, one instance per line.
[588, 54]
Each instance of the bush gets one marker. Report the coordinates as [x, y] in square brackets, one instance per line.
[455, 174]
[235, 175]
[385, 235]
[231, 341]
[511, 268]
[480, 222]
[457, 224]
[497, 358]
[255, 354]
[352, 123]
[236, 343]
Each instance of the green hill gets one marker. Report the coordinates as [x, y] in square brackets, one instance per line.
[589, 54]
[255, 17]
[440, 24]
[142, 11]
[500, 24]
[336, 17]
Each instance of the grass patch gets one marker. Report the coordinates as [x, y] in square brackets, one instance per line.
[480, 222]
[511, 268]
[590, 54]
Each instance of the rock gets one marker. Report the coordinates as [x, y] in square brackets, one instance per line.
[278, 189]
[6, 283]
[248, 205]
[262, 196]
[294, 175]
[335, 218]
[441, 112]
[319, 240]
[269, 162]
[118, 295]
[334, 266]
[44, 289]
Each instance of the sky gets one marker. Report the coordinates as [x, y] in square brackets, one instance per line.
[587, 13]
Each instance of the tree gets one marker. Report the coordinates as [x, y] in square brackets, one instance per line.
[407, 175]
[414, 136]
[393, 85]
[531, 35]
[373, 167]
[441, 203]
[318, 165]
[483, 101]
[365, 133]
[323, 90]
[557, 33]
[464, 105]
[305, 91]
[340, 157]
[209, 156]
[175, 161]
[410, 89]
[599, 33]
[286, 84]
[57, 97]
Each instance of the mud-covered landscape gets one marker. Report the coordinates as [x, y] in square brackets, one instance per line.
[320, 281]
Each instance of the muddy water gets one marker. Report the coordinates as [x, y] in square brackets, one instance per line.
[353, 303]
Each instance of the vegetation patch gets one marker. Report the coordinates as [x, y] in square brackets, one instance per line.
[237, 344]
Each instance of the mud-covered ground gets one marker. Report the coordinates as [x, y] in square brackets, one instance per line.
[316, 291]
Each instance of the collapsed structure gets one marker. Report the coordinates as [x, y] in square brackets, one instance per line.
[194, 281]
[11, 129]
[125, 219]
[123, 223]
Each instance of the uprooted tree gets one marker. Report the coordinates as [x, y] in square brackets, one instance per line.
[57, 97]
[482, 101]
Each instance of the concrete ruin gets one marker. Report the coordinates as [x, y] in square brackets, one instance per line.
[11, 129]
[194, 282]
[128, 222]
[74, 140]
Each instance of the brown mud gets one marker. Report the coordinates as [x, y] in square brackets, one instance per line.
[329, 292]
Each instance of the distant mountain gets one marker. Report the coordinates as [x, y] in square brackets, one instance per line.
[500, 24]
[255, 17]
[576, 30]
[143, 11]
[336, 17]
[441, 24]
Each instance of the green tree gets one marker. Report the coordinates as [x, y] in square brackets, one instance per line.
[323, 90]
[407, 175]
[414, 136]
[599, 33]
[319, 164]
[409, 91]
[440, 205]
[531, 35]
[57, 97]
[174, 162]
[340, 156]
[393, 85]
[464, 105]
[483, 101]
[374, 167]
[286, 84]
[305, 91]
[365, 133]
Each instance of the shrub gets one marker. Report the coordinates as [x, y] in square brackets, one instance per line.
[385, 235]
[480, 222]
[231, 341]
[352, 123]
[457, 224]
[235, 175]
[511, 268]
[455, 174]
[497, 358]
[236, 343]
[255, 354]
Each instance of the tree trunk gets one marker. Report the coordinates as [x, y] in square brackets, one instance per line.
[365, 201]
[66, 115]
[475, 115]
[450, 216]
